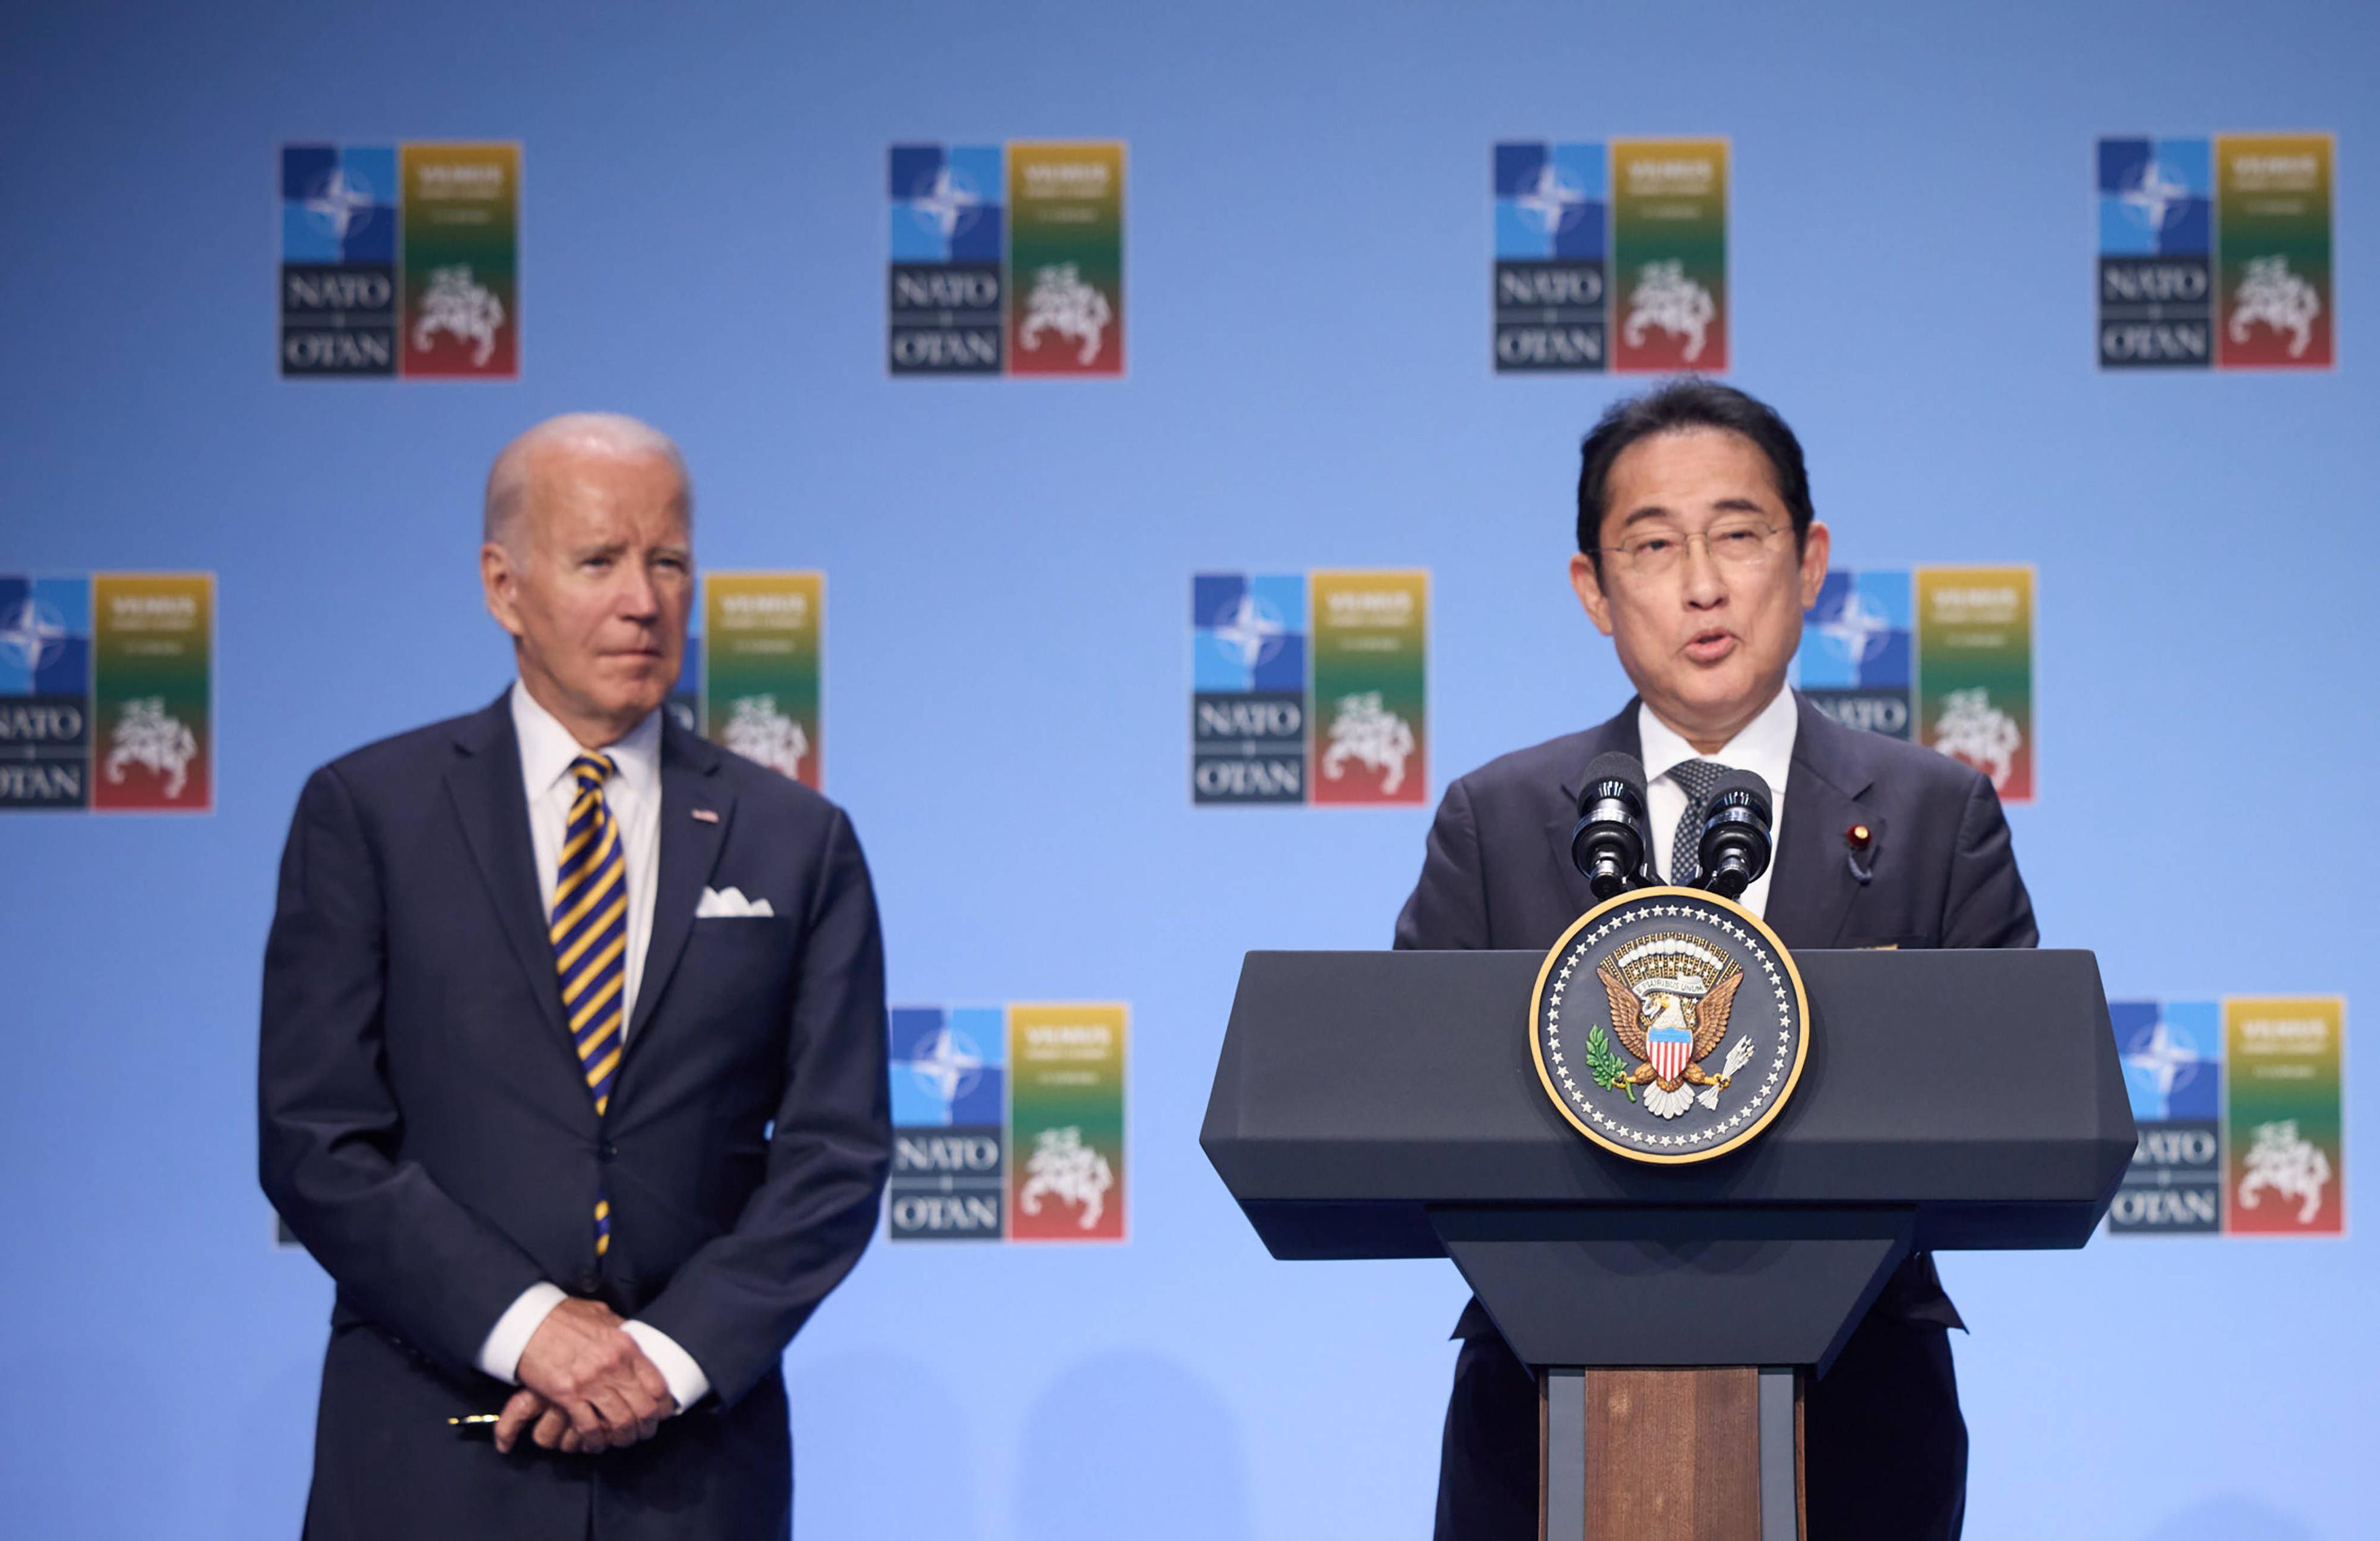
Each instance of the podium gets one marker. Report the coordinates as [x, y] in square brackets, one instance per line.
[1387, 1105]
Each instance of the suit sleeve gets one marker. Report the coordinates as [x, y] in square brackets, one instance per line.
[735, 1303]
[1448, 908]
[1987, 905]
[401, 1249]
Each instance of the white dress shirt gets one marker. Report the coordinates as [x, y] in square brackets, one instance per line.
[633, 793]
[1764, 748]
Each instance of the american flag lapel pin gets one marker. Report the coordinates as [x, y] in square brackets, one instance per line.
[707, 815]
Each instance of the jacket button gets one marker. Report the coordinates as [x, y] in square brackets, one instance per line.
[607, 1152]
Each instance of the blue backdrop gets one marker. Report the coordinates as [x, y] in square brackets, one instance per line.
[1308, 244]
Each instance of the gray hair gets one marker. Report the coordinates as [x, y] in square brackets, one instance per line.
[615, 433]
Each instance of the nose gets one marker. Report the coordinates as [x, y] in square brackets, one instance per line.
[1703, 587]
[639, 600]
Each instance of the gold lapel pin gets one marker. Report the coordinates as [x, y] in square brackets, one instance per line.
[1856, 841]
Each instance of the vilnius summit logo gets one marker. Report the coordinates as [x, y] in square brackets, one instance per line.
[1005, 260]
[107, 692]
[1008, 1122]
[2240, 1113]
[1309, 687]
[400, 260]
[2216, 253]
[1610, 256]
[1942, 655]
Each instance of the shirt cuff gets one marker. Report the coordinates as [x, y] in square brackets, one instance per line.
[499, 1355]
[687, 1381]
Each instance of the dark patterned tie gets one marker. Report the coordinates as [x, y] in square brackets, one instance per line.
[590, 941]
[1698, 777]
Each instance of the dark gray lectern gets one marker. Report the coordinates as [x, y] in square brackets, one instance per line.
[1386, 1105]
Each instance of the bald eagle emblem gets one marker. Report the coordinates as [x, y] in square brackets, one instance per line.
[1670, 995]
[1668, 1024]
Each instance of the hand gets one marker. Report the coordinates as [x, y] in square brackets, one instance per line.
[597, 1387]
[524, 1408]
[544, 1423]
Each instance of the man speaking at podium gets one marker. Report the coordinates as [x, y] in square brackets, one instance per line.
[1698, 555]
[573, 1071]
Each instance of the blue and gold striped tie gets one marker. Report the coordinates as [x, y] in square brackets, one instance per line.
[591, 943]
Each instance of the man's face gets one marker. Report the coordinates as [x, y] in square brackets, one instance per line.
[1704, 619]
[596, 584]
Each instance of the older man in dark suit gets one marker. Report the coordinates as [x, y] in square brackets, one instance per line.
[573, 1069]
[1698, 554]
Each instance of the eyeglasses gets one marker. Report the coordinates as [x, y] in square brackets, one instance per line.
[1659, 552]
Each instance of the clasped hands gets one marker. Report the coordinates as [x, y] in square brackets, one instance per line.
[585, 1387]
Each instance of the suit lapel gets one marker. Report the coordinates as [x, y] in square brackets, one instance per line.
[689, 853]
[1618, 736]
[1813, 890]
[484, 784]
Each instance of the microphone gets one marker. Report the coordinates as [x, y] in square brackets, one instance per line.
[1736, 842]
[1608, 843]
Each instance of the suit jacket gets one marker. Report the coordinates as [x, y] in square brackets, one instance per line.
[426, 1132]
[1497, 872]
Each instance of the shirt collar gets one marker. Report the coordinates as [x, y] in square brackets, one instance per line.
[1764, 747]
[547, 748]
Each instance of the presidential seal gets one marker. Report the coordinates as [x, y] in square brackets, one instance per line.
[1668, 1024]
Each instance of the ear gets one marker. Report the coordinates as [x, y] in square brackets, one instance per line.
[1817, 546]
[501, 583]
[1588, 587]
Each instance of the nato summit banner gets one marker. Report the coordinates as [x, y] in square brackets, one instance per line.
[2241, 1113]
[1576, 223]
[1310, 687]
[106, 693]
[1939, 655]
[1008, 1122]
[1006, 260]
[400, 260]
[2216, 253]
[759, 662]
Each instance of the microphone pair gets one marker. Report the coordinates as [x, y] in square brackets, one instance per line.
[1609, 843]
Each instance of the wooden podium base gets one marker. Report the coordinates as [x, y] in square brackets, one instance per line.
[1670, 1455]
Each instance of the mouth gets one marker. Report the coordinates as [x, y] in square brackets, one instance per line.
[1711, 646]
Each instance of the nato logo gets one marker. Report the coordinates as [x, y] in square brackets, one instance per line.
[949, 1114]
[1550, 200]
[2157, 223]
[1857, 635]
[2157, 198]
[45, 685]
[338, 204]
[944, 298]
[1551, 206]
[947, 203]
[2172, 1056]
[1856, 650]
[338, 259]
[949, 1067]
[2173, 1074]
[1250, 631]
[1248, 699]
[44, 636]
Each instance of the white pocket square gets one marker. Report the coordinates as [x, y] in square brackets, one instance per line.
[725, 902]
